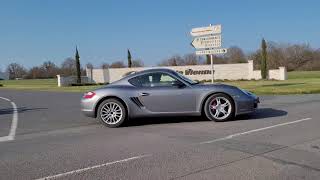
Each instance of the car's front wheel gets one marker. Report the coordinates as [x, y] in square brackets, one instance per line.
[112, 113]
[219, 107]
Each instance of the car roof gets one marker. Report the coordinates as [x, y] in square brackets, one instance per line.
[156, 70]
[150, 71]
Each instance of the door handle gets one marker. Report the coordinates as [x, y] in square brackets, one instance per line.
[144, 94]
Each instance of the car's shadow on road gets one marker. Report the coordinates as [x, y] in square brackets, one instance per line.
[259, 114]
[163, 120]
[20, 110]
[262, 113]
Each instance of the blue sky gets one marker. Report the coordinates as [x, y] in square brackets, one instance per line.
[32, 31]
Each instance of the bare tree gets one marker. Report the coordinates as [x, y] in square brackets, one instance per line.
[256, 57]
[298, 56]
[50, 69]
[314, 64]
[175, 60]
[16, 70]
[105, 66]
[235, 55]
[191, 59]
[68, 67]
[117, 64]
[294, 57]
[36, 73]
[215, 59]
[89, 66]
[137, 63]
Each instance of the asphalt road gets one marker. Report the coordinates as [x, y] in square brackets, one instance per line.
[54, 140]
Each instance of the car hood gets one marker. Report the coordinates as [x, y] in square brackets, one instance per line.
[215, 85]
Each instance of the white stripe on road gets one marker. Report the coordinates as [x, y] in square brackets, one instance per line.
[254, 130]
[93, 167]
[14, 123]
[5, 99]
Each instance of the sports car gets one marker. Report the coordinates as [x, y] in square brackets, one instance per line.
[165, 92]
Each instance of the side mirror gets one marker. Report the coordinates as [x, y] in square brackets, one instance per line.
[178, 84]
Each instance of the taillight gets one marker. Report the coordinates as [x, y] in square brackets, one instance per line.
[89, 95]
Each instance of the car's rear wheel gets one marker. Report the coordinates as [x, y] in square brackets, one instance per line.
[112, 113]
[219, 107]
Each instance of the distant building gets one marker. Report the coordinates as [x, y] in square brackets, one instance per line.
[4, 76]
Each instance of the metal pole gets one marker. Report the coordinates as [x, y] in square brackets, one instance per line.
[212, 76]
[211, 58]
[91, 80]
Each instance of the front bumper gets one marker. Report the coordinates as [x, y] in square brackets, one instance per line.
[247, 105]
[256, 102]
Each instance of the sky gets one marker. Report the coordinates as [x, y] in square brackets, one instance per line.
[34, 31]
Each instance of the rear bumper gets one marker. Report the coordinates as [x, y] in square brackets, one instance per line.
[88, 113]
[87, 107]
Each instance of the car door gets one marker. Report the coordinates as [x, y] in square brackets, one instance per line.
[162, 93]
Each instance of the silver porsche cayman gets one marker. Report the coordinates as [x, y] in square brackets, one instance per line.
[164, 92]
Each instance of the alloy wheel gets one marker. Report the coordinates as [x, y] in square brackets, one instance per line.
[220, 108]
[111, 113]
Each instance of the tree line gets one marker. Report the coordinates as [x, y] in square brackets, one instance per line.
[69, 67]
[49, 69]
[233, 55]
[295, 57]
[292, 56]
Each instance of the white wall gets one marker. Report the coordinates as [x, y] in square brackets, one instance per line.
[197, 72]
[67, 81]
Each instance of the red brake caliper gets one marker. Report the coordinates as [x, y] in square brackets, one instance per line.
[214, 104]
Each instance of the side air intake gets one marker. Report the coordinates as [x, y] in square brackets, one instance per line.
[136, 101]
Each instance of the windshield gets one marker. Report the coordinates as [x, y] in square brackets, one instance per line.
[190, 81]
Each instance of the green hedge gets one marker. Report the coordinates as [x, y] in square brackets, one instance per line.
[1, 85]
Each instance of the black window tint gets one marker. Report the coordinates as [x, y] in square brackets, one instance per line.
[134, 81]
[153, 80]
[140, 81]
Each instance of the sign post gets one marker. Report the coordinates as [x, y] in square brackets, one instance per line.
[207, 41]
[212, 71]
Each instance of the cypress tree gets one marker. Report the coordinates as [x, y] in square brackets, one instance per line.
[263, 66]
[77, 58]
[129, 59]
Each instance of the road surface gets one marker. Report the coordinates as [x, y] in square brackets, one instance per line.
[54, 140]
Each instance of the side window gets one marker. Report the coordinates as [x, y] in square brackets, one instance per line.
[140, 81]
[153, 80]
[163, 80]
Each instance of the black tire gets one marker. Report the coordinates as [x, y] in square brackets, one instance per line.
[123, 110]
[208, 112]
